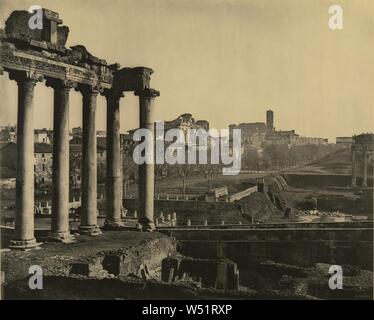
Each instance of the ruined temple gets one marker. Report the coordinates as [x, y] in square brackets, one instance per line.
[32, 56]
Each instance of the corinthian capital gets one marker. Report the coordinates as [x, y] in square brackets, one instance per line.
[25, 76]
[90, 89]
[113, 93]
[65, 84]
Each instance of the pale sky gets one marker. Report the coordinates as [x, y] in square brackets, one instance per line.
[226, 61]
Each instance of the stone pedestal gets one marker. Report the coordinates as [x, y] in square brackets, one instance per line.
[89, 163]
[146, 170]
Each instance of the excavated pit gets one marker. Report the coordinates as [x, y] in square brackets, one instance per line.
[111, 254]
[118, 265]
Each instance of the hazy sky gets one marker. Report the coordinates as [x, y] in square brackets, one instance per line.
[225, 61]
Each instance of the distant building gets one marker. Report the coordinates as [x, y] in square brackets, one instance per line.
[127, 143]
[8, 134]
[13, 136]
[345, 141]
[288, 137]
[8, 156]
[77, 132]
[258, 134]
[184, 122]
[311, 140]
[42, 163]
[252, 134]
[101, 133]
[43, 136]
[76, 148]
[270, 120]
[75, 153]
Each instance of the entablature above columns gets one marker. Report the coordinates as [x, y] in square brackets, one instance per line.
[12, 59]
[133, 79]
[125, 79]
[44, 53]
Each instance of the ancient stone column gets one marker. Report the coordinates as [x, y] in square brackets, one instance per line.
[89, 163]
[365, 168]
[354, 166]
[24, 220]
[146, 170]
[60, 173]
[113, 162]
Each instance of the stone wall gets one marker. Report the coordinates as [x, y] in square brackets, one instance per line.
[322, 180]
[193, 210]
[300, 246]
[242, 194]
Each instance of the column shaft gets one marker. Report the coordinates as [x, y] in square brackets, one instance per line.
[60, 173]
[113, 183]
[24, 220]
[354, 168]
[89, 164]
[146, 170]
[365, 168]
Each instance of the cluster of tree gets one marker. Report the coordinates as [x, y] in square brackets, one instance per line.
[283, 156]
[271, 157]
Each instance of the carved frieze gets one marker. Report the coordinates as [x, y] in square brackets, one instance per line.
[14, 59]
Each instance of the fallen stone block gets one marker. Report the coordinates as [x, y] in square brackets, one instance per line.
[211, 273]
[90, 268]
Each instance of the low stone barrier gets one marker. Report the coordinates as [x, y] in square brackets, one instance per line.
[242, 194]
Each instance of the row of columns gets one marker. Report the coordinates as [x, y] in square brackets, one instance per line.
[24, 224]
[146, 170]
[354, 167]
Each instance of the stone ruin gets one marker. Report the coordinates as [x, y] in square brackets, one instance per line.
[32, 56]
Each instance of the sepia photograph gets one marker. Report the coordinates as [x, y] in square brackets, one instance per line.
[186, 150]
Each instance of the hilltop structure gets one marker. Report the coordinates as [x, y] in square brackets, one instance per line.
[258, 134]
